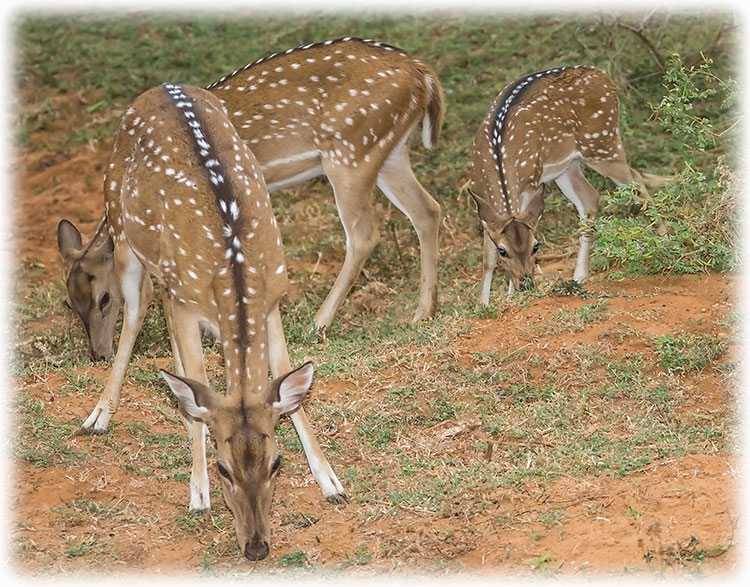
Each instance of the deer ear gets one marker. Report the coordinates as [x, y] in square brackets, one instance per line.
[534, 208]
[194, 398]
[288, 391]
[487, 213]
[68, 240]
[102, 241]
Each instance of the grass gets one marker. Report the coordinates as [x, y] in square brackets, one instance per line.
[293, 560]
[427, 428]
[82, 510]
[686, 352]
[574, 319]
[44, 441]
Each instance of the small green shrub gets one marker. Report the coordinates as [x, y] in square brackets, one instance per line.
[687, 352]
[699, 210]
[687, 87]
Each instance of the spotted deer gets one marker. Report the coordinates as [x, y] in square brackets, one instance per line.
[542, 127]
[186, 202]
[91, 285]
[345, 108]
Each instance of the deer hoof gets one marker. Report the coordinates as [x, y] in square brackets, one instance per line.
[424, 313]
[97, 422]
[315, 334]
[338, 498]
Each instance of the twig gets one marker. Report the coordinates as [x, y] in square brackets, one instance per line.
[712, 46]
[553, 256]
[638, 31]
[315, 269]
[398, 248]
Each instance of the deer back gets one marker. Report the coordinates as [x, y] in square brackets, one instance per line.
[536, 126]
[188, 197]
[349, 100]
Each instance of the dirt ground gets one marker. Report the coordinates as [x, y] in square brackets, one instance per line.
[656, 519]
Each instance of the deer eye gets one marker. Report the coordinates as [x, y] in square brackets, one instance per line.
[502, 252]
[275, 466]
[223, 472]
[536, 248]
[104, 301]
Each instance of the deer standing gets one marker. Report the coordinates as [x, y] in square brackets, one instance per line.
[186, 202]
[541, 128]
[345, 108]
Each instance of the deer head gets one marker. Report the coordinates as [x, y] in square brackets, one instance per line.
[248, 459]
[513, 237]
[93, 291]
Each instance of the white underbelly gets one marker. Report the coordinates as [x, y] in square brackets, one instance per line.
[552, 171]
[304, 175]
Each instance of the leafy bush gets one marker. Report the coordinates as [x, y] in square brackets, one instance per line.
[699, 210]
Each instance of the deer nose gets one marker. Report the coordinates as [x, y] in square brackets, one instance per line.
[256, 550]
[527, 283]
[96, 356]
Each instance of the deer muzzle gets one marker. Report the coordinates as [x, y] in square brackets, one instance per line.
[256, 549]
[526, 283]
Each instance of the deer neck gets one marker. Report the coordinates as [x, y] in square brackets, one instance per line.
[241, 313]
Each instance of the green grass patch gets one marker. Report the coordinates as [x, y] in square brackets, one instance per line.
[687, 352]
[43, 440]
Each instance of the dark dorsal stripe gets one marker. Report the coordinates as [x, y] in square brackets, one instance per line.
[508, 98]
[317, 45]
[226, 202]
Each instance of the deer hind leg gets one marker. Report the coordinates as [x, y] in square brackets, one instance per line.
[185, 335]
[618, 171]
[489, 262]
[353, 191]
[321, 470]
[578, 190]
[136, 292]
[396, 180]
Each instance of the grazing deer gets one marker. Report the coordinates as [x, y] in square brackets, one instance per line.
[186, 202]
[345, 108]
[541, 128]
[91, 285]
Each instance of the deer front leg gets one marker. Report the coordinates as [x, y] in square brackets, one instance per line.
[179, 369]
[578, 190]
[321, 470]
[136, 290]
[186, 340]
[489, 262]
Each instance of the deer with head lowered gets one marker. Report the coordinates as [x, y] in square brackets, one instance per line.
[344, 108]
[540, 128]
[186, 202]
